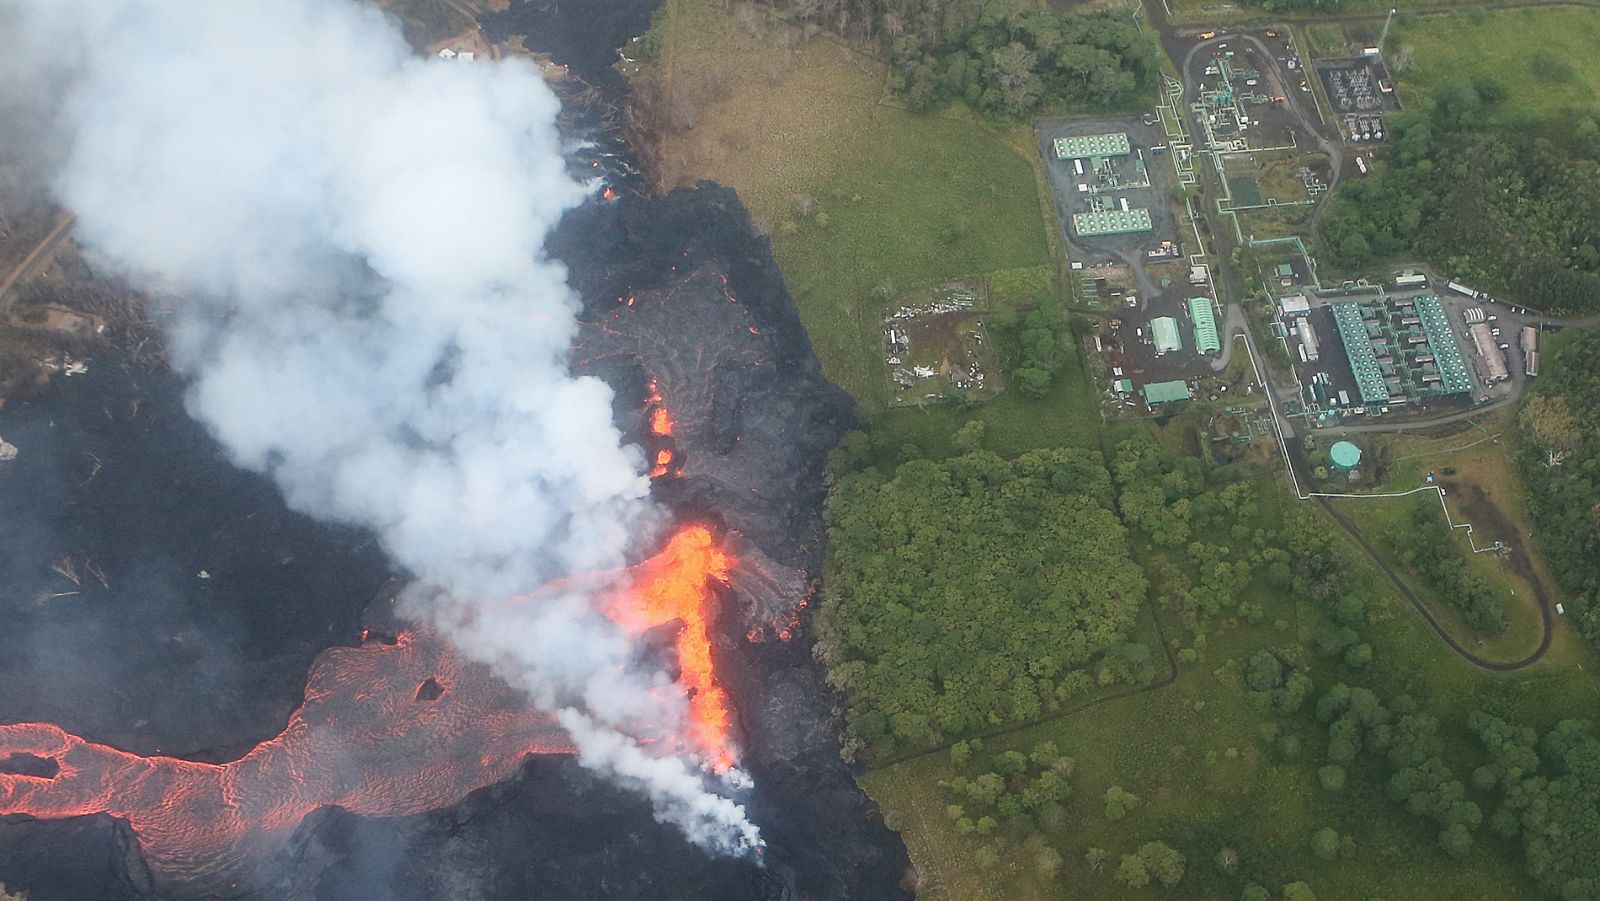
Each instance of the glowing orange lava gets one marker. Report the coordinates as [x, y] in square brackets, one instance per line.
[676, 584]
[660, 427]
[386, 729]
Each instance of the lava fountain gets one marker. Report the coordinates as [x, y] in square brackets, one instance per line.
[387, 728]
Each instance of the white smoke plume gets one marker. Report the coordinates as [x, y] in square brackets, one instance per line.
[366, 314]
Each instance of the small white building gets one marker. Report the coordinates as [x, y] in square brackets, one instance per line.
[447, 53]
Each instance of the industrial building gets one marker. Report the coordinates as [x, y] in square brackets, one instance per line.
[1447, 356]
[1092, 146]
[1164, 330]
[1359, 349]
[1294, 305]
[1308, 340]
[1401, 350]
[1165, 392]
[1494, 359]
[1205, 326]
[1111, 222]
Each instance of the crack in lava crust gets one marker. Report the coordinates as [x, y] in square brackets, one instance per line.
[386, 729]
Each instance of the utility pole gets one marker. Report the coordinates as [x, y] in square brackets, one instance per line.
[1385, 36]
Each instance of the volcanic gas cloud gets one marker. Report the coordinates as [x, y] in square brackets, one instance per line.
[350, 242]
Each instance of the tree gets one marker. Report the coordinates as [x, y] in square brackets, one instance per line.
[1253, 892]
[1331, 777]
[1298, 891]
[1227, 861]
[969, 437]
[1095, 858]
[1162, 862]
[1456, 840]
[1047, 863]
[1132, 871]
[1119, 802]
[1325, 844]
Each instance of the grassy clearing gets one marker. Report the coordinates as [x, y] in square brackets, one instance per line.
[856, 192]
[1437, 50]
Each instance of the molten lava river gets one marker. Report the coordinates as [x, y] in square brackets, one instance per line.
[386, 729]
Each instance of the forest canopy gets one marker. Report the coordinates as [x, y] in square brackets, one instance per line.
[964, 593]
[1560, 459]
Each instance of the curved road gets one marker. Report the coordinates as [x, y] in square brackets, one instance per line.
[1502, 666]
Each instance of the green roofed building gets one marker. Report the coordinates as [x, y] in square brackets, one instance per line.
[1165, 331]
[1358, 349]
[1453, 375]
[1165, 392]
[1092, 146]
[1111, 222]
[1205, 326]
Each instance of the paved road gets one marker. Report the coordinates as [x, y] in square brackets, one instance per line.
[36, 259]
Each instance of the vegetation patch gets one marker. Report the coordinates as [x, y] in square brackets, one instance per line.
[971, 592]
[1560, 460]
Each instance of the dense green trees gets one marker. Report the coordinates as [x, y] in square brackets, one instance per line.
[1550, 799]
[1508, 210]
[1424, 543]
[973, 591]
[1560, 462]
[1021, 790]
[1036, 344]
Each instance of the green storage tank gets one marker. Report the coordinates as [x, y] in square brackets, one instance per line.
[1344, 456]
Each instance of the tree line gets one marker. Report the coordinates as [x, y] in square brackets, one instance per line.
[1560, 463]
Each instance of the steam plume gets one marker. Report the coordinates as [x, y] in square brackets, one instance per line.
[367, 315]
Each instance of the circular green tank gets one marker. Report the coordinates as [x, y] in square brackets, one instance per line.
[1344, 455]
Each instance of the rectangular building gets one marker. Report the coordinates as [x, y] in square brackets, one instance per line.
[1111, 222]
[1453, 375]
[1494, 359]
[1089, 146]
[1165, 392]
[1205, 326]
[1165, 331]
[1358, 348]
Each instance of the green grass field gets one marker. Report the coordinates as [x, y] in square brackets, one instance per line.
[1435, 50]
[856, 192]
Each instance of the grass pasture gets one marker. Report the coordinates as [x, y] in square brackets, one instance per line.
[857, 193]
[1436, 50]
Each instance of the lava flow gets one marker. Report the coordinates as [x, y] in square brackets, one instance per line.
[674, 587]
[660, 429]
[386, 729]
